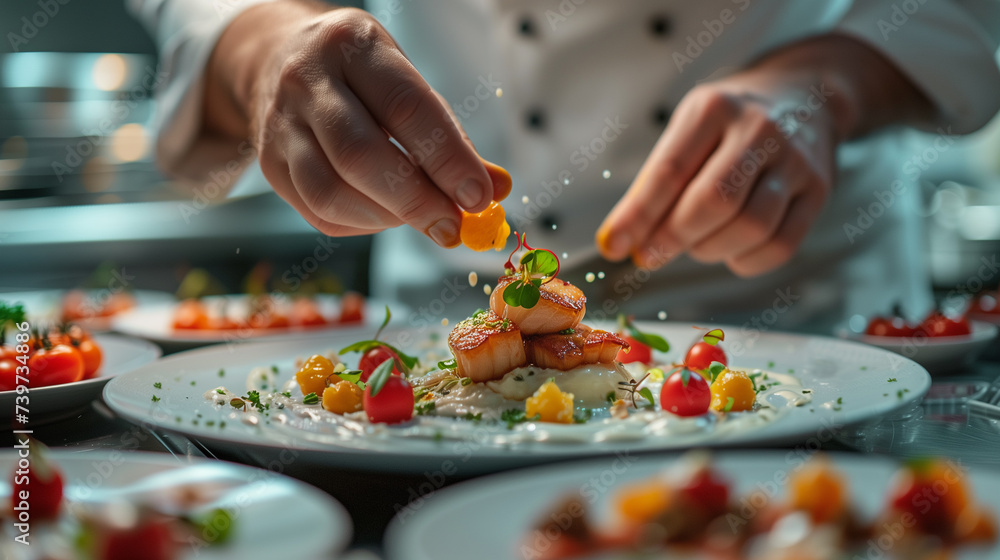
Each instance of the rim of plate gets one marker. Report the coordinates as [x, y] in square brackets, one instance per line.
[981, 331]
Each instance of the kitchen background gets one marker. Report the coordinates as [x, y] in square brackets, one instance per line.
[80, 200]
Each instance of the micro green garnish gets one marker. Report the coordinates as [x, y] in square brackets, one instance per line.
[654, 341]
[806, 391]
[729, 404]
[311, 398]
[479, 318]
[466, 381]
[238, 403]
[567, 331]
[156, 399]
[222, 373]
[611, 397]
[583, 416]
[380, 376]
[274, 370]
[351, 376]
[447, 364]
[714, 337]
[770, 364]
[253, 397]
[407, 362]
[216, 526]
[473, 417]
[158, 385]
[536, 267]
[220, 391]
[192, 383]
[840, 400]
[632, 386]
[718, 367]
[516, 416]
[892, 380]
[423, 408]
[287, 394]
[11, 314]
[753, 379]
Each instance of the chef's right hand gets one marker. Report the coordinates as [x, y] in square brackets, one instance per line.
[321, 91]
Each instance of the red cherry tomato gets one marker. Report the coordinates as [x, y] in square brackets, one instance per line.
[92, 357]
[895, 326]
[372, 358]
[638, 352]
[702, 354]
[150, 540]
[707, 491]
[43, 482]
[393, 404]
[190, 314]
[55, 366]
[937, 324]
[352, 307]
[685, 393]
[8, 374]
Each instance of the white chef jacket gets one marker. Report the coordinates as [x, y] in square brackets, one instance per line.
[587, 88]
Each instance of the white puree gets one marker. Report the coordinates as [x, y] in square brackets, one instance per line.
[782, 393]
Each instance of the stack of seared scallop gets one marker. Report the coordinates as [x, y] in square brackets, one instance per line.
[547, 335]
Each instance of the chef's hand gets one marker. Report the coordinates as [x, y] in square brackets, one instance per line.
[747, 162]
[320, 91]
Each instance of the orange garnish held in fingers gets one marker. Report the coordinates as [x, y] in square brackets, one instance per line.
[502, 183]
[485, 230]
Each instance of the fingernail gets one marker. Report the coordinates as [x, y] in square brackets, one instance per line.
[444, 232]
[471, 193]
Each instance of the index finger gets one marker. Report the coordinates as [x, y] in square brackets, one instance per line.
[407, 107]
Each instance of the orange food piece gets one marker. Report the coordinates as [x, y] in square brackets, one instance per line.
[819, 490]
[343, 397]
[313, 374]
[737, 385]
[502, 182]
[643, 502]
[191, 314]
[976, 525]
[550, 404]
[485, 230]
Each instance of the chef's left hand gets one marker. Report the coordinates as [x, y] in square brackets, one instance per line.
[745, 166]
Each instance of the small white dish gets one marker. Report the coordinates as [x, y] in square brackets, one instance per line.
[941, 355]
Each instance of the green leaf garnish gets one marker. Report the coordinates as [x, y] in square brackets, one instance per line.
[521, 294]
[311, 398]
[473, 417]
[515, 416]
[729, 404]
[388, 315]
[648, 395]
[535, 267]
[583, 416]
[350, 375]
[714, 337]
[611, 397]
[424, 408]
[380, 376]
[718, 367]
[216, 526]
[654, 341]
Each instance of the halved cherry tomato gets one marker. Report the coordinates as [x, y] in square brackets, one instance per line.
[637, 352]
[56, 365]
[8, 374]
[702, 354]
[372, 358]
[352, 307]
[685, 393]
[937, 324]
[43, 482]
[393, 404]
[885, 326]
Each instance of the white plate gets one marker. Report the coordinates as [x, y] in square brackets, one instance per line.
[486, 519]
[155, 322]
[833, 369]
[121, 355]
[45, 306]
[944, 354]
[274, 516]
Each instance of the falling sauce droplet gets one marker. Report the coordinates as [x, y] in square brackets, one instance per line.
[565, 180]
[499, 92]
[237, 250]
[487, 289]
[589, 277]
[473, 278]
[525, 199]
[444, 322]
[606, 174]
[662, 315]
[554, 226]
[600, 275]
[565, 255]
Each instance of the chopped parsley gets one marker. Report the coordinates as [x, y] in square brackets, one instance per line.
[473, 417]
[516, 416]
[424, 408]
[893, 380]
[311, 398]
[222, 373]
[156, 399]
[158, 385]
[220, 391]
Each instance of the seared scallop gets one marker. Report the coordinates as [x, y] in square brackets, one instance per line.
[567, 351]
[486, 346]
[560, 307]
